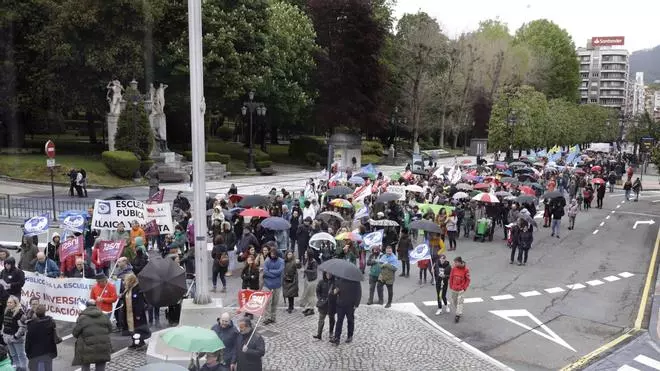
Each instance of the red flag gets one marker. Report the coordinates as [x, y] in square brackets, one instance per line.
[157, 197]
[110, 250]
[71, 247]
[256, 303]
[244, 297]
[151, 228]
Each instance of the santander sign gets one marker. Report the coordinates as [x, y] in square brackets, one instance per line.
[607, 40]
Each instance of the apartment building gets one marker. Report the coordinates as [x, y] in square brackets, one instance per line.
[604, 70]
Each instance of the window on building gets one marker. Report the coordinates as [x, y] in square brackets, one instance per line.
[594, 74]
[593, 100]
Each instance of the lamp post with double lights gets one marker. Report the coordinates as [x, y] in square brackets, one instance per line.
[251, 106]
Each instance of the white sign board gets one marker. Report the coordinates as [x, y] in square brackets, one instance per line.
[61, 296]
[109, 213]
[400, 190]
[163, 215]
[50, 162]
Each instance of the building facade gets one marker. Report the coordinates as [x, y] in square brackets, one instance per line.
[637, 95]
[605, 72]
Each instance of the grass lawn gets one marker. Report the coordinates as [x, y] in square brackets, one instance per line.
[33, 167]
[279, 153]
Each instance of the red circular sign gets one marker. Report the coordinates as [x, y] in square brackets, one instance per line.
[49, 148]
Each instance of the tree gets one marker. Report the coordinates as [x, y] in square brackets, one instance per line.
[518, 119]
[134, 133]
[560, 74]
[421, 59]
[350, 77]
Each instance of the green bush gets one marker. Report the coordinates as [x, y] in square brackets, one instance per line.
[304, 144]
[145, 165]
[372, 148]
[237, 151]
[134, 133]
[370, 159]
[225, 133]
[263, 164]
[210, 157]
[122, 163]
[313, 158]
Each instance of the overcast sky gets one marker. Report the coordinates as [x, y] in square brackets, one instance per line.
[634, 19]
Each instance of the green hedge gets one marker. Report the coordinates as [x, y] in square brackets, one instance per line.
[121, 163]
[304, 144]
[225, 133]
[263, 164]
[210, 157]
[69, 146]
[313, 158]
[145, 165]
[237, 151]
[372, 148]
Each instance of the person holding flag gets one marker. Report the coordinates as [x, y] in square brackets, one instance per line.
[388, 267]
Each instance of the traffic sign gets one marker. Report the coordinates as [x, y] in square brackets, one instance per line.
[49, 149]
[50, 162]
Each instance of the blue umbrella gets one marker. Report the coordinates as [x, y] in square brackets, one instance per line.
[276, 223]
[356, 180]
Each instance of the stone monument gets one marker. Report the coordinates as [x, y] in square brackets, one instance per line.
[117, 103]
[157, 119]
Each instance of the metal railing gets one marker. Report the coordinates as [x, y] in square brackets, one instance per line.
[20, 207]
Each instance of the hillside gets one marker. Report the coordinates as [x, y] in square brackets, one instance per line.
[647, 61]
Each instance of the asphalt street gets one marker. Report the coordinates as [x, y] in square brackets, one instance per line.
[641, 354]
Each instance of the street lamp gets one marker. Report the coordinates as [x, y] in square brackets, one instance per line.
[511, 121]
[251, 106]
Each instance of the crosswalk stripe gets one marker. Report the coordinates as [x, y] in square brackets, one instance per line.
[473, 300]
[648, 361]
[430, 303]
[627, 368]
[626, 274]
[595, 282]
[502, 297]
[554, 290]
[611, 278]
[527, 294]
[576, 286]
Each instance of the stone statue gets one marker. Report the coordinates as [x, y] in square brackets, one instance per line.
[152, 95]
[160, 98]
[157, 116]
[114, 96]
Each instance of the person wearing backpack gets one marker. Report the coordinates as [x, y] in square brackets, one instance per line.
[220, 262]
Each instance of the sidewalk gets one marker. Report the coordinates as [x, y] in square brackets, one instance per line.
[383, 340]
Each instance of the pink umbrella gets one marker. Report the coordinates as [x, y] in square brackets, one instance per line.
[486, 197]
[481, 186]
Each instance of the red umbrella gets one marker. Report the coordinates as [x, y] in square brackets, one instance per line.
[486, 197]
[235, 198]
[597, 181]
[481, 186]
[596, 168]
[255, 213]
[527, 190]
[465, 162]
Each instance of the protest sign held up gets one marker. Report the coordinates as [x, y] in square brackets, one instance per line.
[110, 250]
[256, 303]
[71, 247]
[109, 213]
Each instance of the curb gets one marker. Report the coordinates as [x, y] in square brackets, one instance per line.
[653, 329]
[60, 184]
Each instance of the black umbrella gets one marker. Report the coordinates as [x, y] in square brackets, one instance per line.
[526, 199]
[275, 223]
[254, 201]
[387, 197]
[425, 225]
[525, 170]
[342, 269]
[338, 191]
[326, 215]
[517, 163]
[120, 196]
[509, 180]
[553, 195]
[163, 282]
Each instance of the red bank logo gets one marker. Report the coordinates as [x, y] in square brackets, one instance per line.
[608, 40]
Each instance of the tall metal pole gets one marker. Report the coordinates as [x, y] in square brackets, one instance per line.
[197, 110]
[250, 153]
[52, 193]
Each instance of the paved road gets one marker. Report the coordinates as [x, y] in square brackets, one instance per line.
[641, 354]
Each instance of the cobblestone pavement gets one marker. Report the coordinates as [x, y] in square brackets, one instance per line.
[383, 340]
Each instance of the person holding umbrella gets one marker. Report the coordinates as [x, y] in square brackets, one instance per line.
[348, 290]
[600, 194]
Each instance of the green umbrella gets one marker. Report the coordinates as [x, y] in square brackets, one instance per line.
[192, 339]
[396, 176]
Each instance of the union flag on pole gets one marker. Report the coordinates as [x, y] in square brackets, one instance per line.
[157, 198]
[151, 228]
[256, 303]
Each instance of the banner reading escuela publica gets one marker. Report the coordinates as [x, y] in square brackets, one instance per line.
[109, 213]
[61, 296]
[162, 213]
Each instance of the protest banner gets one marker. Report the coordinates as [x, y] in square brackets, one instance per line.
[400, 190]
[151, 228]
[373, 239]
[36, 225]
[256, 303]
[109, 213]
[71, 247]
[63, 297]
[162, 214]
[157, 197]
[74, 223]
[110, 250]
[419, 253]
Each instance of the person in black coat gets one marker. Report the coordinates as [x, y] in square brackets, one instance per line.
[441, 269]
[250, 348]
[41, 340]
[326, 302]
[140, 261]
[250, 275]
[135, 305]
[600, 194]
[303, 234]
[349, 294]
[14, 277]
[220, 262]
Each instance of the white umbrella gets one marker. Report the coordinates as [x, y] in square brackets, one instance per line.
[414, 188]
[486, 197]
[318, 239]
[460, 195]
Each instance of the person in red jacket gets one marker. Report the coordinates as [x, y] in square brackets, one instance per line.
[459, 281]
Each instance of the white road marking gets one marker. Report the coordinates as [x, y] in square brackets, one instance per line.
[607, 217]
[576, 286]
[595, 282]
[627, 368]
[554, 290]
[472, 300]
[602, 224]
[618, 206]
[656, 201]
[596, 231]
[65, 338]
[648, 361]
[430, 303]
[502, 297]
[548, 334]
[611, 278]
[612, 212]
[623, 202]
[527, 294]
[626, 274]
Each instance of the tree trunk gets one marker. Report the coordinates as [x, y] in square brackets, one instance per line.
[89, 117]
[273, 134]
[496, 77]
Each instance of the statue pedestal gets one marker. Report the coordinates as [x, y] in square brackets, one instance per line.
[169, 168]
[112, 121]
